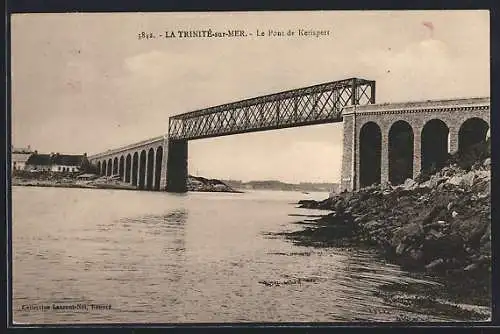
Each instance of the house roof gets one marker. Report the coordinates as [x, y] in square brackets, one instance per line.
[67, 160]
[39, 159]
[55, 159]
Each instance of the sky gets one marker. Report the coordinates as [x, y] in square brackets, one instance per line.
[87, 83]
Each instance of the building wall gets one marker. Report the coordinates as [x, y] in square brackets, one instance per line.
[18, 160]
[452, 112]
[18, 165]
[38, 168]
[65, 168]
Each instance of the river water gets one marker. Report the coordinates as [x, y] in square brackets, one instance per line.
[199, 257]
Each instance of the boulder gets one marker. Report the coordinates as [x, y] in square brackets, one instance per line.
[435, 234]
[486, 236]
[308, 204]
[468, 179]
[487, 162]
[436, 180]
[409, 184]
[471, 267]
[386, 192]
[416, 254]
[455, 180]
[482, 174]
[400, 248]
[339, 205]
[426, 184]
[434, 264]
[385, 186]
[406, 232]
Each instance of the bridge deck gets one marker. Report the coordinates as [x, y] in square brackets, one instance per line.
[322, 103]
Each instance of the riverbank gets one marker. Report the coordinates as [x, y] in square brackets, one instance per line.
[72, 184]
[198, 184]
[438, 225]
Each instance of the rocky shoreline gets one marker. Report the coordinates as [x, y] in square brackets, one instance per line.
[439, 225]
[71, 184]
[197, 184]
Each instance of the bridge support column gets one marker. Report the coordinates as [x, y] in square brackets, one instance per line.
[417, 153]
[164, 159]
[347, 153]
[177, 166]
[146, 171]
[384, 157]
[453, 141]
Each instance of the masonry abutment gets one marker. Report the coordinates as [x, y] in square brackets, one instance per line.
[177, 166]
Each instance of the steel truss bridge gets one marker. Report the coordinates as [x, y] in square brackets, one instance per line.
[318, 104]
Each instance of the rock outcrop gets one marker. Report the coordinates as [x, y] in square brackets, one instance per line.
[441, 224]
[197, 183]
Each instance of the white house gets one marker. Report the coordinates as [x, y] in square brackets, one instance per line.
[19, 157]
[63, 163]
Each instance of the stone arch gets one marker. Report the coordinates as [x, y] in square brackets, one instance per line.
[142, 169]
[115, 166]
[110, 167]
[473, 131]
[400, 152]
[128, 167]
[121, 167]
[103, 170]
[135, 167]
[158, 162]
[150, 169]
[434, 145]
[370, 148]
[99, 167]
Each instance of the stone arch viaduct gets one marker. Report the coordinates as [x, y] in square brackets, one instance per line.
[393, 142]
[382, 142]
[141, 164]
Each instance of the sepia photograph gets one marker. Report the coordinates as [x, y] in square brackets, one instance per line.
[250, 167]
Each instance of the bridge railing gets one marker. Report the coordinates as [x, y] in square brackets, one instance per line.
[317, 104]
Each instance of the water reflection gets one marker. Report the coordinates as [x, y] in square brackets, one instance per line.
[167, 258]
